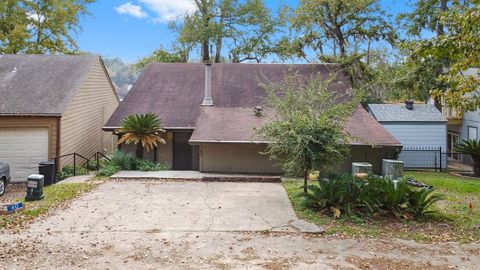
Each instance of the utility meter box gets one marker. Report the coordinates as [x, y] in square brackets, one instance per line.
[35, 187]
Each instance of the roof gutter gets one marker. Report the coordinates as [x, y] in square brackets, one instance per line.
[32, 114]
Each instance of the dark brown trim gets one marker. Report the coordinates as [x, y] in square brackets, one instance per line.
[59, 124]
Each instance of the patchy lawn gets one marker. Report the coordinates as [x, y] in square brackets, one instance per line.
[56, 196]
[452, 222]
[459, 192]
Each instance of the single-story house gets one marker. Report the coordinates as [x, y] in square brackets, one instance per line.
[52, 106]
[208, 113]
[421, 128]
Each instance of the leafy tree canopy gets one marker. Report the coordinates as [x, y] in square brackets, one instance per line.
[306, 132]
[460, 47]
[242, 30]
[40, 26]
[162, 55]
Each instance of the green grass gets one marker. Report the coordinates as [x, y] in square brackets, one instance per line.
[447, 182]
[453, 211]
[55, 195]
[459, 191]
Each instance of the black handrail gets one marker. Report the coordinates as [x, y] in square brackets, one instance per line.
[74, 160]
[97, 159]
[96, 156]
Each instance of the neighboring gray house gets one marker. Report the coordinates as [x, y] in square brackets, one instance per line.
[419, 127]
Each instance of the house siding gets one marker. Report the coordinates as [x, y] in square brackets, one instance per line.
[372, 155]
[419, 135]
[235, 158]
[35, 121]
[471, 119]
[164, 151]
[86, 114]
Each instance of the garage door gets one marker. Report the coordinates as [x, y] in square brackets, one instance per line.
[23, 149]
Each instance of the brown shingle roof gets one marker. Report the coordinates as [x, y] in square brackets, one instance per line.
[175, 91]
[40, 84]
[365, 130]
[236, 125]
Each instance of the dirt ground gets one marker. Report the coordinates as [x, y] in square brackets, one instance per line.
[145, 225]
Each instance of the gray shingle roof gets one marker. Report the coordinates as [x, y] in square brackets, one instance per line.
[40, 84]
[399, 113]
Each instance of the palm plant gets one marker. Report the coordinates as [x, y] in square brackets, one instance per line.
[143, 130]
[421, 202]
[472, 148]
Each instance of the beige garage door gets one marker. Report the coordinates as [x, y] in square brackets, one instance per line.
[23, 149]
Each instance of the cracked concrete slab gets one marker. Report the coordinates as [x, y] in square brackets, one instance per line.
[176, 206]
[306, 227]
[192, 225]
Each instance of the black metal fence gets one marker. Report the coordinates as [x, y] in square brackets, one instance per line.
[434, 158]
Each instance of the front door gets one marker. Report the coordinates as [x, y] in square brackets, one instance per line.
[182, 151]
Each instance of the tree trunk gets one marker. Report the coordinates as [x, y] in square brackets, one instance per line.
[306, 169]
[476, 166]
[218, 49]
[139, 151]
[440, 31]
[305, 180]
[206, 25]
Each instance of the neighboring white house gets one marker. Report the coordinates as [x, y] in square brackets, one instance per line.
[466, 127]
[421, 128]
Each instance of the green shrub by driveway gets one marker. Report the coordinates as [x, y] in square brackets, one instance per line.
[347, 195]
[451, 220]
[69, 171]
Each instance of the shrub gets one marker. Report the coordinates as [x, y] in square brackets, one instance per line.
[108, 170]
[384, 194]
[421, 200]
[147, 165]
[376, 195]
[122, 160]
[340, 193]
[68, 171]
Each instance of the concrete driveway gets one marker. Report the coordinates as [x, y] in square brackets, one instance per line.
[177, 206]
[195, 225]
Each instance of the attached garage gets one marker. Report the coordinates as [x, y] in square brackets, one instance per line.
[51, 106]
[23, 149]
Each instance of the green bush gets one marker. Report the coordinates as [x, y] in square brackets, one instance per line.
[384, 194]
[122, 160]
[421, 200]
[338, 193]
[68, 171]
[108, 170]
[376, 195]
[147, 165]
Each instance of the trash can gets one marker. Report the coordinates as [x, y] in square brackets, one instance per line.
[47, 169]
[34, 187]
